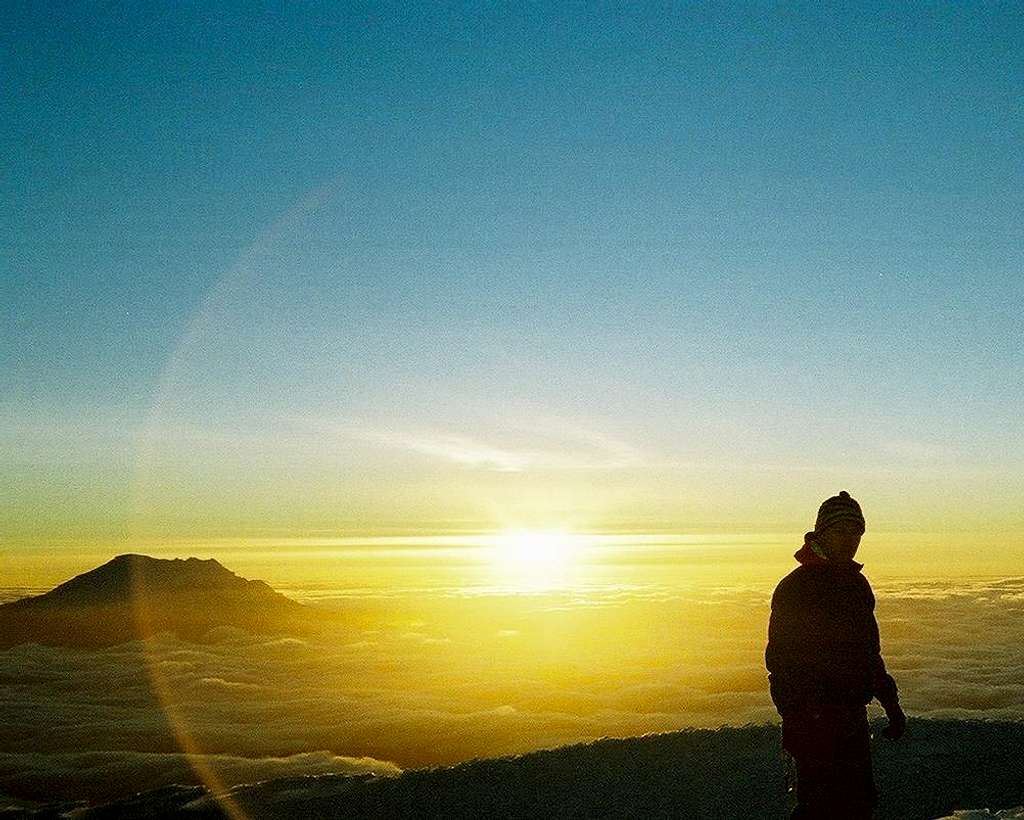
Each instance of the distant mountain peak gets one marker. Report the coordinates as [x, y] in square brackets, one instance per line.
[132, 574]
[184, 595]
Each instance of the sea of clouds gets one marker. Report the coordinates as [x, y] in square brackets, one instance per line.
[426, 679]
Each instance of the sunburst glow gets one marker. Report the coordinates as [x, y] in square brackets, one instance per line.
[535, 558]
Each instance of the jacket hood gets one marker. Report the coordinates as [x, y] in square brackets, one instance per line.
[812, 555]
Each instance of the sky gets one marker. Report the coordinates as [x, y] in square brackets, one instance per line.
[326, 269]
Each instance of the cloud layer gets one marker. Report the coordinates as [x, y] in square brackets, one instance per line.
[437, 678]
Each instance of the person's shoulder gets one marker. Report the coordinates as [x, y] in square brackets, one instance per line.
[854, 576]
[801, 574]
[865, 586]
[862, 579]
[794, 584]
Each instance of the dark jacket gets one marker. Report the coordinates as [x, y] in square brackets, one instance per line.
[823, 647]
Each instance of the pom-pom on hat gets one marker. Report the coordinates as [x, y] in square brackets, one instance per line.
[838, 508]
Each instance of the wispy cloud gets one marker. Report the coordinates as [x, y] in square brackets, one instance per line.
[514, 448]
[454, 447]
[918, 450]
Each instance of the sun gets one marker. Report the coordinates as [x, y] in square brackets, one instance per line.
[534, 558]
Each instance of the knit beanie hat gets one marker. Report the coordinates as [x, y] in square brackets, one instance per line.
[838, 508]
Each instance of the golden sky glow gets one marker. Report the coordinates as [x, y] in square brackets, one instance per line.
[522, 560]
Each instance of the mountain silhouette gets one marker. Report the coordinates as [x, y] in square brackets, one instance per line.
[136, 596]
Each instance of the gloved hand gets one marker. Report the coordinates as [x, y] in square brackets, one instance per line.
[897, 723]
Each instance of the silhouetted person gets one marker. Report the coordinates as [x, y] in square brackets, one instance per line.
[825, 666]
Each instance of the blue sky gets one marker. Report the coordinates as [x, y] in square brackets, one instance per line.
[721, 235]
